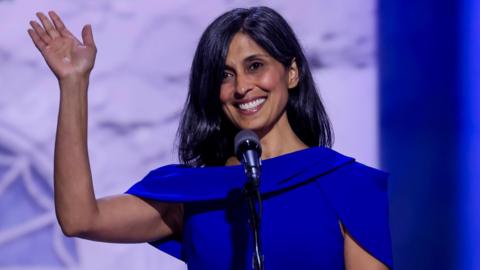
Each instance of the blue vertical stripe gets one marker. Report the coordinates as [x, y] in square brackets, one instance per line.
[470, 150]
[420, 119]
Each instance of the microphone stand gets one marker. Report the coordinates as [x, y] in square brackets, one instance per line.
[254, 199]
[248, 151]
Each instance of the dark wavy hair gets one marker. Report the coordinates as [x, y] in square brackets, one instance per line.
[205, 134]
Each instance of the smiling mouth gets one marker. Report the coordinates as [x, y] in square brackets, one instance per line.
[251, 106]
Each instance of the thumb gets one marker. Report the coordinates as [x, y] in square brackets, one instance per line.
[87, 36]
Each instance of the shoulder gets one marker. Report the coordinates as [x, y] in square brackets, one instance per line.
[361, 173]
[356, 185]
[355, 173]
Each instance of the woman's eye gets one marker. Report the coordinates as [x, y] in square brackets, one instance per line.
[227, 75]
[255, 66]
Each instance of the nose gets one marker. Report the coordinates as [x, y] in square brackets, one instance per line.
[243, 86]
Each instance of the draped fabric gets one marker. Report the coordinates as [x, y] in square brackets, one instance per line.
[306, 195]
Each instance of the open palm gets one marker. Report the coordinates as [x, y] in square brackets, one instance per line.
[64, 53]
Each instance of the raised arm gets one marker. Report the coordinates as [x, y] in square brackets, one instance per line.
[122, 218]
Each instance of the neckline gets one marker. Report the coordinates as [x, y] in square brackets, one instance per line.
[280, 158]
[294, 153]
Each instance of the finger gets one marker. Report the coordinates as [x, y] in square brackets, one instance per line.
[87, 36]
[48, 26]
[37, 40]
[40, 32]
[60, 26]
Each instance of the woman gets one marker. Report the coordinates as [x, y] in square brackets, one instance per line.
[322, 210]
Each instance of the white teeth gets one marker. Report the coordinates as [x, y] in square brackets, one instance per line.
[252, 104]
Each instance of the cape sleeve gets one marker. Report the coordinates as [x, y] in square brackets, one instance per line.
[146, 188]
[358, 194]
[175, 183]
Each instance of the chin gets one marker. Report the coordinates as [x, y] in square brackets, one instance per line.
[259, 128]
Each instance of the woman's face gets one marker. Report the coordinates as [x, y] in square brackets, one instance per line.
[254, 91]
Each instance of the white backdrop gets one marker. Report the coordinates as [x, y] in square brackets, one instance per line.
[137, 90]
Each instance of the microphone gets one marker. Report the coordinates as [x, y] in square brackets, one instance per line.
[248, 152]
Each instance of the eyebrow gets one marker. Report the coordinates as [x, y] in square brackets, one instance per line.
[253, 57]
[248, 59]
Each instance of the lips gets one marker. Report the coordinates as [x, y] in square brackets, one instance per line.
[251, 106]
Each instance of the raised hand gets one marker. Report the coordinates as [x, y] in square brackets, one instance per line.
[66, 56]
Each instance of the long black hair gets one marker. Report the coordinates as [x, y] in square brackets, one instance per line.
[205, 133]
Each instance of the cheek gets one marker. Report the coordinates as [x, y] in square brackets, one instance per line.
[273, 81]
[226, 105]
[225, 93]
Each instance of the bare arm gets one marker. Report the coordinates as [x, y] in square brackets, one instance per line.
[121, 218]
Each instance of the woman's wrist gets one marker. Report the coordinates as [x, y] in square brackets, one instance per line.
[74, 83]
[74, 78]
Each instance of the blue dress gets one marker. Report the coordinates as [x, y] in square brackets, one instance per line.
[305, 196]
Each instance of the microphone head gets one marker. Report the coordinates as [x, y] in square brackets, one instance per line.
[246, 140]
